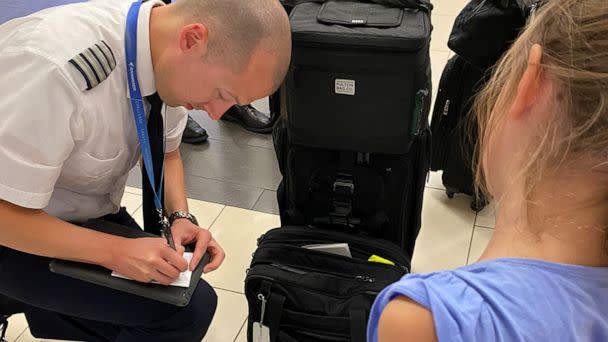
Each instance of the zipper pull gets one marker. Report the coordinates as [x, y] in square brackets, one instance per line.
[263, 299]
[261, 333]
[365, 279]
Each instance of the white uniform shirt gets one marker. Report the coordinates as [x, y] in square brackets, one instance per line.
[63, 148]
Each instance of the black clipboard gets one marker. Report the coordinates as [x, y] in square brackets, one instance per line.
[99, 275]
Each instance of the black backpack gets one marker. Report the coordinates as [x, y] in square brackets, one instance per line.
[485, 29]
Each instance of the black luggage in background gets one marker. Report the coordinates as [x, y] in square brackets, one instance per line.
[482, 32]
[454, 129]
[305, 295]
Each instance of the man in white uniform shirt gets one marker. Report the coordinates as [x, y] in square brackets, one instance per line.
[68, 140]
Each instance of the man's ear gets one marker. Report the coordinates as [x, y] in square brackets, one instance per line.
[194, 38]
[530, 84]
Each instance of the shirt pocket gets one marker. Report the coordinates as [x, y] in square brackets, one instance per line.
[85, 173]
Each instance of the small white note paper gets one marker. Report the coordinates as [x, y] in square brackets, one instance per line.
[182, 281]
[332, 248]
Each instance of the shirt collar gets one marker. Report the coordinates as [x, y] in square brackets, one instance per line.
[145, 70]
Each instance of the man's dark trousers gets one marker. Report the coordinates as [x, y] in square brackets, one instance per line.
[60, 307]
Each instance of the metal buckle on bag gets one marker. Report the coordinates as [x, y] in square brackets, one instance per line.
[340, 185]
[344, 182]
[342, 201]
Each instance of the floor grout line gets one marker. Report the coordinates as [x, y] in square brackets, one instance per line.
[23, 332]
[241, 329]
[217, 217]
[229, 182]
[138, 207]
[435, 188]
[224, 203]
[245, 145]
[257, 200]
[217, 180]
[235, 292]
[471, 241]
[482, 226]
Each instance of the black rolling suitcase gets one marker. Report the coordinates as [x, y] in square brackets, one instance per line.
[354, 151]
[482, 32]
[454, 130]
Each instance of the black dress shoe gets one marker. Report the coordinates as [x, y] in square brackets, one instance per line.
[194, 133]
[250, 118]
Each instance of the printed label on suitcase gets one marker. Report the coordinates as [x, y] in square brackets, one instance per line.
[346, 87]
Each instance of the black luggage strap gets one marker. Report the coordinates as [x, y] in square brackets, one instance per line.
[343, 191]
[358, 324]
[274, 314]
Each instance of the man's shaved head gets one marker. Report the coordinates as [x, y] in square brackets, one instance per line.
[238, 27]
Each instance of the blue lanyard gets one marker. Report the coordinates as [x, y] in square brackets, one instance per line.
[137, 103]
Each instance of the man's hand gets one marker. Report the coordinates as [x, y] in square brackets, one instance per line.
[185, 232]
[146, 260]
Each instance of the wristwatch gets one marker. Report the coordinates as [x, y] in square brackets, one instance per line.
[182, 214]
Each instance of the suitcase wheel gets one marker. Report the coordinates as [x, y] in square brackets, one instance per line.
[450, 194]
[477, 205]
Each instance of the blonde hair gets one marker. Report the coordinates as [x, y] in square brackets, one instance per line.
[574, 38]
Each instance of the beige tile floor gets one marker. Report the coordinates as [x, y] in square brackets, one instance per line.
[451, 236]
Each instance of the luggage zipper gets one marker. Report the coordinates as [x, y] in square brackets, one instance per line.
[361, 278]
[397, 265]
[395, 252]
[252, 277]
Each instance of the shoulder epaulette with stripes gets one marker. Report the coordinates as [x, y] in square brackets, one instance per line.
[95, 63]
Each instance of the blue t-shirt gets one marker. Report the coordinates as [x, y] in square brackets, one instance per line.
[508, 300]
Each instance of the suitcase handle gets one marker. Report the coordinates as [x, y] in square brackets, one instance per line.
[419, 4]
